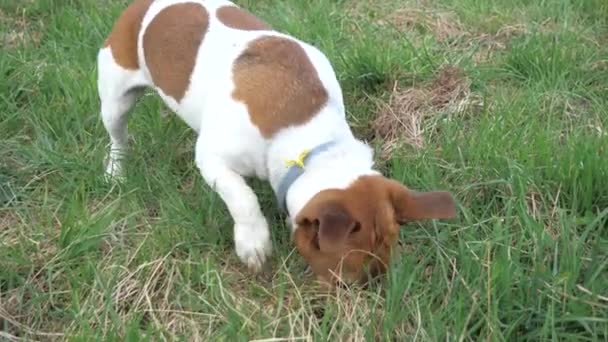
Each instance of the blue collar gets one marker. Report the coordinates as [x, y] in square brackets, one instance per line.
[296, 169]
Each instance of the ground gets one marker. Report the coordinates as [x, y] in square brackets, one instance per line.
[504, 103]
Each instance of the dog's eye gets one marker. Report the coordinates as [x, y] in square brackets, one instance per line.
[356, 228]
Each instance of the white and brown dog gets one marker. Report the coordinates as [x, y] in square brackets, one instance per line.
[268, 105]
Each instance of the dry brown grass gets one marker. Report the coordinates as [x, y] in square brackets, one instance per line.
[420, 17]
[148, 290]
[21, 324]
[443, 25]
[19, 32]
[401, 120]
[544, 210]
[489, 44]
[9, 220]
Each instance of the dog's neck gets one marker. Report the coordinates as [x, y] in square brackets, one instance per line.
[337, 168]
[334, 168]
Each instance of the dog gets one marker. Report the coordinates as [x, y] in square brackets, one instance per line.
[266, 105]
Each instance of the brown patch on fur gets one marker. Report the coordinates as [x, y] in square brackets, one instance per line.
[278, 83]
[401, 120]
[123, 38]
[171, 43]
[341, 232]
[237, 18]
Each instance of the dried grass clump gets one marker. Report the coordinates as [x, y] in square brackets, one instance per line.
[19, 32]
[401, 119]
[442, 25]
[489, 44]
[420, 17]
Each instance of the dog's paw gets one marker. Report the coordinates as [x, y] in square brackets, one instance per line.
[253, 245]
[113, 171]
[114, 174]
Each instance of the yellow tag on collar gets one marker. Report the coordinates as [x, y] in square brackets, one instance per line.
[299, 161]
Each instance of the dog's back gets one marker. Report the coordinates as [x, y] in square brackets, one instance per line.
[197, 52]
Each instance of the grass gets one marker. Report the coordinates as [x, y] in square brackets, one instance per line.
[527, 259]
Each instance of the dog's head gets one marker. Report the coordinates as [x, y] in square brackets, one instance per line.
[347, 234]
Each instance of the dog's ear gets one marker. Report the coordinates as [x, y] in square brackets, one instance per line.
[332, 224]
[335, 225]
[411, 205]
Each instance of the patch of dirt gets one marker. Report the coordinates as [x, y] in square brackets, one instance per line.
[421, 17]
[489, 44]
[401, 119]
[10, 229]
[8, 219]
[443, 25]
[19, 32]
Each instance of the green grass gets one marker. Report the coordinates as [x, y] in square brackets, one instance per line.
[527, 259]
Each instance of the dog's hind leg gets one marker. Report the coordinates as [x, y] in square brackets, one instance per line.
[118, 89]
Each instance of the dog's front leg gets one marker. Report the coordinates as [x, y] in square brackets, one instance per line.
[251, 234]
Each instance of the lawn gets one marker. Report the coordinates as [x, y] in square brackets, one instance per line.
[502, 102]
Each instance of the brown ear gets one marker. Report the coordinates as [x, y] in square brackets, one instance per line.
[332, 223]
[335, 224]
[412, 205]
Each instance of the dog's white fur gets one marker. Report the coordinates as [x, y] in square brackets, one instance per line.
[229, 147]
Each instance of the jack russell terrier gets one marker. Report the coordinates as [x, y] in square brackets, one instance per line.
[268, 105]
